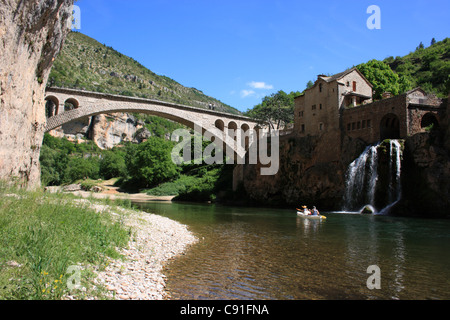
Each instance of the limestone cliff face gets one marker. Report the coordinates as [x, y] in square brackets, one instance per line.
[106, 130]
[31, 33]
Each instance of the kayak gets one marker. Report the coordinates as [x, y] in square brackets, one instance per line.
[301, 214]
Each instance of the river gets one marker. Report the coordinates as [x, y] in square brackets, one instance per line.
[270, 254]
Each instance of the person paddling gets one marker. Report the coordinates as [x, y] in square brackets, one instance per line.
[315, 212]
[306, 211]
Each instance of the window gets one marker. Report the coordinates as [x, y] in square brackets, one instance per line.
[321, 127]
[320, 87]
[303, 128]
[359, 125]
[314, 107]
[354, 85]
[369, 125]
[320, 106]
[349, 127]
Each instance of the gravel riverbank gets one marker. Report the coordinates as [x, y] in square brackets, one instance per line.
[155, 241]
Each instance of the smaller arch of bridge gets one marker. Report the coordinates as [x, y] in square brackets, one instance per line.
[219, 124]
[51, 106]
[71, 104]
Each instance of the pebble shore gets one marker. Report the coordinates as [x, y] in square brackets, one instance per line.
[154, 242]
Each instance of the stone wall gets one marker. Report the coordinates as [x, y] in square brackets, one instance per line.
[364, 121]
[31, 33]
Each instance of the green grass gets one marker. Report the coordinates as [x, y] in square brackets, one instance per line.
[173, 188]
[46, 234]
[199, 185]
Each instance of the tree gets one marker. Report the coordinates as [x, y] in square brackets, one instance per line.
[150, 163]
[80, 168]
[433, 41]
[112, 165]
[383, 79]
[277, 110]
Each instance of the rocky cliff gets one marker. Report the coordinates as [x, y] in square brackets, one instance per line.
[106, 130]
[426, 174]
[31, 33]
[307, 176]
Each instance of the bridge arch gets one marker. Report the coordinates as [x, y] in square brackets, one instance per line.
[71, 104]
[51, 106]
[219, 124]
[85, 104]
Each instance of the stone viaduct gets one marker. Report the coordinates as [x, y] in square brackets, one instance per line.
[68, 105]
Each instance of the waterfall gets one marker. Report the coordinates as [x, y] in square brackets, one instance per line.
[363, 178]
[395, 186]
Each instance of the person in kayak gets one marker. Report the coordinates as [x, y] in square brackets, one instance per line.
[315, 212]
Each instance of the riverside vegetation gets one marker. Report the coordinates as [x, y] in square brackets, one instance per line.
[41, 235]
[145, 167]
[54, 246]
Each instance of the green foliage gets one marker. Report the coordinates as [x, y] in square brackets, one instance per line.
[45, 234]
[208, 182]
[150, 163]
[82, 168]
[173, 188]
[383, 79]
[112, 164]
[428, 68]
[277, 109]
[65, 162]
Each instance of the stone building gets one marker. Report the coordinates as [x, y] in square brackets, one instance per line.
[344, 104]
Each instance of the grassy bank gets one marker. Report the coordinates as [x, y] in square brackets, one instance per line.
[42, 235]
[205, 183]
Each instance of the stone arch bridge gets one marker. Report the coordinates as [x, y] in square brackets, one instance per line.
[69, 105]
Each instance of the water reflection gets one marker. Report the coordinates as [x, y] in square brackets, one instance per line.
[248, 253]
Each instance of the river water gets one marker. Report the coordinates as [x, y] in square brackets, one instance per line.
[270, 254]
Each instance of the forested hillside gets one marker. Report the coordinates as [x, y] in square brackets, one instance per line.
[426, 67]
[84, 63]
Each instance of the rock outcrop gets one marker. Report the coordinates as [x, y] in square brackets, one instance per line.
[426, 174]
[31, 33]
[106, 130]
[305, 176]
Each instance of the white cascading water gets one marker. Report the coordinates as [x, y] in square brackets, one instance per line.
[362, 179]
[395, 186]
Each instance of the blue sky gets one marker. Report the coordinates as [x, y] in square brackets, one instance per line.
[239, 51]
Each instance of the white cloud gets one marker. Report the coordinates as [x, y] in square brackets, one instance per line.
[260, 85]
[246, 93]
